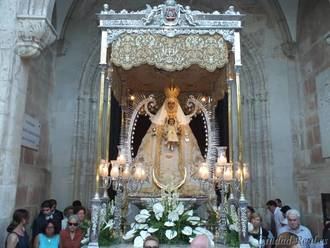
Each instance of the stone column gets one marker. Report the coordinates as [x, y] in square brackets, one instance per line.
[12, 100]
[31, 37]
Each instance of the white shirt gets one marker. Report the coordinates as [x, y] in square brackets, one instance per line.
[278, 218]
[304, 234]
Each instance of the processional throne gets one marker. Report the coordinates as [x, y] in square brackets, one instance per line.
[147, 58]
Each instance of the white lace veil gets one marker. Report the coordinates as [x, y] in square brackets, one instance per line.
[160, 116]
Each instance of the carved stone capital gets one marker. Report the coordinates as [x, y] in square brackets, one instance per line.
[34, 33]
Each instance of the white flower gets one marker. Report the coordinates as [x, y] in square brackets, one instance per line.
[138, 242]
[169, 223]
[142, 226]
[194, 220]
[158, 210]
[133, 225]
[234, 227]
[109, 224]
[129, 234]
[189, 213]
[145, 212]
[173, 216]
[152, 229]
[144, 234]
[142, 216]
[171, 234]
[187, 230]
[180, 208]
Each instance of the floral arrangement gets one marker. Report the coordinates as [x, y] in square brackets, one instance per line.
[169, 221]
[107, 233]
[232, 233]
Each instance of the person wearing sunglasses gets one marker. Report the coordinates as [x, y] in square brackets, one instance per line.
[72, 235]
[151, 242]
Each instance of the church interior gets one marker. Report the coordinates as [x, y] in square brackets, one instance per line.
[92, 113]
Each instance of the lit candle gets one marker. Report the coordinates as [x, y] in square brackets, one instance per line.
[126, 172]
[121, 159]
[114, 171]
[104, 168]
[222, 159]
[227, 175]
[138, 173]
[204, 171]
[218, 170]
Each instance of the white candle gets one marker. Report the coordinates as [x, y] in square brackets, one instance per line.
[222, 159]
[237, 47]
[126, 172]
[114, 171]
[138, 173]
[218, 171]
[121, 159]
[104, 46]
[104, 168]
[204, 171]
[227, 175]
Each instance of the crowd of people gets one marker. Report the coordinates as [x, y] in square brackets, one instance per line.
[51, 228]
[285, 231]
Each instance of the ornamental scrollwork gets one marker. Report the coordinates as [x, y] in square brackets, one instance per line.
[170, 54]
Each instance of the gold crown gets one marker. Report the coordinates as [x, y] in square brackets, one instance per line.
[172, 92]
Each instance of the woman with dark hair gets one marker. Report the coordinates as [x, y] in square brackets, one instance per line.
[17, 235]
[48, 238]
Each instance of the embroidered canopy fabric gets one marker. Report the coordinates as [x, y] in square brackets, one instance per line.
[170, 53]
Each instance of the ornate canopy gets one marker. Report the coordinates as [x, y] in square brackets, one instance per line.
[169, 38]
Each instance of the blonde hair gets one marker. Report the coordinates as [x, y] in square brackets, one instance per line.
[286, 240]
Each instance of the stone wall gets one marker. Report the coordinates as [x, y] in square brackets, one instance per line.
[20, 37]
[312, 164]
[13, 84]
[34, 171]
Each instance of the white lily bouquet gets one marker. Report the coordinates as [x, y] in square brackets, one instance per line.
[169, 221]
[232, 234]
[107, 232]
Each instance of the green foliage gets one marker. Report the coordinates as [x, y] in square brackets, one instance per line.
[231, 236]
[84, 226]
[107, 235]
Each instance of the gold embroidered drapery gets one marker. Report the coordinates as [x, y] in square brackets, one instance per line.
[170, 53]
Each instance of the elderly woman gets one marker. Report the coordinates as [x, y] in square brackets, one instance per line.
[258, 235]
[72, 235]
[48, 238]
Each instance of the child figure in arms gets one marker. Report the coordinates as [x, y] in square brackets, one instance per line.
[172, 132]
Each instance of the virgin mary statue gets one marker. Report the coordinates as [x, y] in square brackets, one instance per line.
[169, 150]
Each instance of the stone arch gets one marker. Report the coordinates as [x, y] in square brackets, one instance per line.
[256, 121]
[85, 127]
